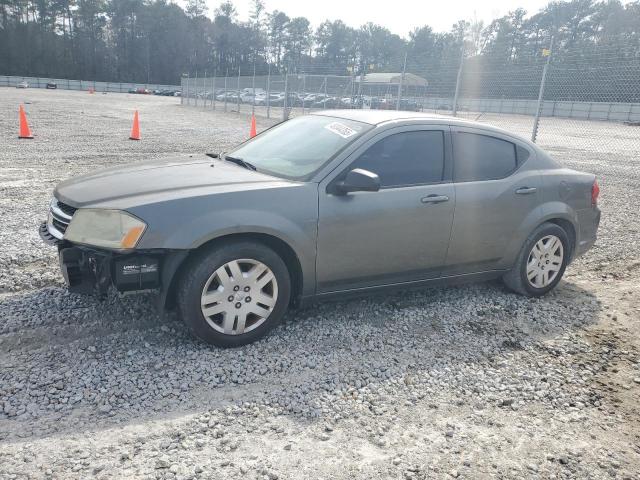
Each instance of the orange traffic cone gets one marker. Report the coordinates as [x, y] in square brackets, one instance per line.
[24, 126]
[135, 129]
[252, 132]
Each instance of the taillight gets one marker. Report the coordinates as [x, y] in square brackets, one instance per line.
[595, 193]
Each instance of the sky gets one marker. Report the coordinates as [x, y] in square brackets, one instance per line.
[399, 16]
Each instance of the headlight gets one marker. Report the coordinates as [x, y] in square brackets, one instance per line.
[105, 228]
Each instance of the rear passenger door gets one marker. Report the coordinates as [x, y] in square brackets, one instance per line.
[494, 194]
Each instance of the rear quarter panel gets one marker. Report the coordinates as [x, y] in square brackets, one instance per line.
[567, 195]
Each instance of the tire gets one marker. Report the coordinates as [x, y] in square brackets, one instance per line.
[223, 304]
[518, 279]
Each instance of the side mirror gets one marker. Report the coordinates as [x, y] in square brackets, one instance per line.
[358, 180]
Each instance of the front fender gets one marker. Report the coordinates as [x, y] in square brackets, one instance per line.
[290, 215]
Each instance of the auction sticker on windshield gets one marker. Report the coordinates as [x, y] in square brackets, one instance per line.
[340, 129]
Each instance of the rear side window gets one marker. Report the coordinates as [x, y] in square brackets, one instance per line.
[407, 158]
[481, 157]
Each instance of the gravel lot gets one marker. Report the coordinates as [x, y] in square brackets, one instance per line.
[464, 382]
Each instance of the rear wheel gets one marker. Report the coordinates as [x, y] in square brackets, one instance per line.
[541, 262]
[234, 294]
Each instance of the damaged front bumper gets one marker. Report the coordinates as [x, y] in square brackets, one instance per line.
[88, 270]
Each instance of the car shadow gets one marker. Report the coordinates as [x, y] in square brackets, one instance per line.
[73, 364]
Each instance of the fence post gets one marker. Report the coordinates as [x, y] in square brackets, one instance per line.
[182, 95]
[454, 107]
[253, 89]
[360, 99]
[225, 89]
[285, 114]
[304, 87]
[536, 120]
[196, 89]
[204, 89]
[238, 95]
[269, 92]
[213, 89]
[324, 100]
[404, 69]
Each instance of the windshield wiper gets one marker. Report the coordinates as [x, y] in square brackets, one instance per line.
[241, 162]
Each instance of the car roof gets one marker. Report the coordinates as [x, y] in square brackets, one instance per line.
[377, 117]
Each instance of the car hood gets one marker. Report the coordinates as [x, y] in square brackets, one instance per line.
[171, 177]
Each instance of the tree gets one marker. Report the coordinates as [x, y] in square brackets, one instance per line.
[157, 41]
[298, 40]
[277, 34]
[196, 8]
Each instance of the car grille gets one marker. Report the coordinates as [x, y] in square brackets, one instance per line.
[59, 218]
[68, 209]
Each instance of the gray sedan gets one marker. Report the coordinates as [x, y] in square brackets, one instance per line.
[324, 205]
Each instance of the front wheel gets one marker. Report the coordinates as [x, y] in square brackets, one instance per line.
[234, 294]
[541, 262]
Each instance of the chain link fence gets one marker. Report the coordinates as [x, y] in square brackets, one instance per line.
[84, 85]
[544, 100]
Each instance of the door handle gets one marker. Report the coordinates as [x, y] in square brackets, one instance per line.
[434, 199]
[526, 190]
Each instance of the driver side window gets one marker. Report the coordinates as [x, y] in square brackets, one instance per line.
[407, 158]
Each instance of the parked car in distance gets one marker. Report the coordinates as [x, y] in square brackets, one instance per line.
[309, 98]
[22, 85]
[246, 97]
[254, 91]
[326, 102]
[163, 92]
[51, 86]
[321, 206]
[261, 100]
[392, 104]
[351, 102]
[278, 100]
[230, 96]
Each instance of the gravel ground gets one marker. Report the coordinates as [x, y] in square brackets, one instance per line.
[464, 382]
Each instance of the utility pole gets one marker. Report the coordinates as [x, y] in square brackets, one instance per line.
[536, 120]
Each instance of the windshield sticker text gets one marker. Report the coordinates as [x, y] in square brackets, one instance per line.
[340, 129]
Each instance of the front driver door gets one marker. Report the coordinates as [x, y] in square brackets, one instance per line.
[398, 234]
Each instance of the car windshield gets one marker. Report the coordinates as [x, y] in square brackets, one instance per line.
[298, 148]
